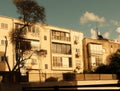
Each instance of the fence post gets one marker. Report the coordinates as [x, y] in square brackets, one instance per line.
[84, 77]
[99, 76]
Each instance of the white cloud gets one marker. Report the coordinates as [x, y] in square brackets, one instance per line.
[93, 34]
[106, 35]
[114, 22]
[118, 30]
[88, 16]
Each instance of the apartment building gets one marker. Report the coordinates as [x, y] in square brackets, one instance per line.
[60, 50]
[6, 25]
[54, 49]
[97, 51]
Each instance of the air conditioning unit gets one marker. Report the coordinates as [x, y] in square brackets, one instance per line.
[77, 55]
[41, 52]
[76, 42]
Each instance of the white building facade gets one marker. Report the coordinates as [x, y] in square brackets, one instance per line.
[61, 49]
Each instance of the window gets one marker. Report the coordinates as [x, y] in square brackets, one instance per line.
[46, 66]
[67, 36]
[77, 55]
[62, 62]
[4, 26]
[2, 42]
[96, 60]
[54, 48]
[62, 36]
[70, 62]
[35, 45]
[64, 49]
[18, 25]
[58, 35]
[34, 61]
[58, 49]
[34, 30]
[45, 37]
[95, 49]
[68, 50]
[54, 61]
[57, 62]
[53, 35]
[61, 48]
[77, 50]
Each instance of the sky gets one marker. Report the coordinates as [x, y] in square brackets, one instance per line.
[86, 16]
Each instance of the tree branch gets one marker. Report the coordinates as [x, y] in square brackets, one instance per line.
[6, 44]
[19, 62]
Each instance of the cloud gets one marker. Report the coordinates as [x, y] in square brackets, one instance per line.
[93, 34]
[114, 22]
[89, 16]
[118, 30]
[106, 35]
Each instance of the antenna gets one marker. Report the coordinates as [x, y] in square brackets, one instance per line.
[96, 29]
[99, 36]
